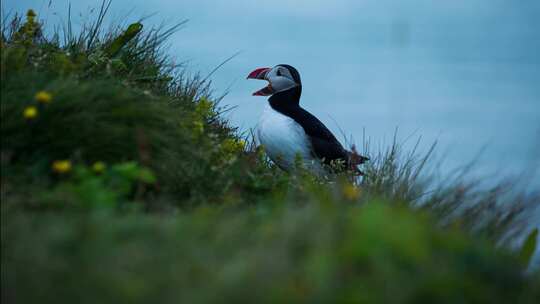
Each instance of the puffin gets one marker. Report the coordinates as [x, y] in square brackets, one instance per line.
[290, 134]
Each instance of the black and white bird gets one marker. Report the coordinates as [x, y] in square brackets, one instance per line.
[288, 132]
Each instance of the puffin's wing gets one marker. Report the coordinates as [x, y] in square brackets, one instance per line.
[324, 143]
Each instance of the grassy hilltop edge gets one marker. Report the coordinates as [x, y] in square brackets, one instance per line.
[122, 182]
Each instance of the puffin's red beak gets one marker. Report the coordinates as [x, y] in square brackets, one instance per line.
[261, 74]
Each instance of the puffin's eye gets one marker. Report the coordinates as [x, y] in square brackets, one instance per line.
[278, 73]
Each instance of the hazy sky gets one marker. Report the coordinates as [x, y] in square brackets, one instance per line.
[463, 72]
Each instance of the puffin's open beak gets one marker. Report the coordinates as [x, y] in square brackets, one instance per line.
[261, 74]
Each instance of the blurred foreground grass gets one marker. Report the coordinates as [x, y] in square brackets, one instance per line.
[121, 182]
[323, 252]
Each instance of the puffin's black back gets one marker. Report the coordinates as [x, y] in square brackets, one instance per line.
[324, 143]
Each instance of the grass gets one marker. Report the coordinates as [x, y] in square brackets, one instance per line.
[127, 185]
[500, 212]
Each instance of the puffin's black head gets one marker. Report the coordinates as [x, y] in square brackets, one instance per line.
[280, 78]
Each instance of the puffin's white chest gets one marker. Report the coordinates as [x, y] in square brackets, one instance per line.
[284, 139]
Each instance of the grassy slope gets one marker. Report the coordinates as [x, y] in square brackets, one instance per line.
[184, 212]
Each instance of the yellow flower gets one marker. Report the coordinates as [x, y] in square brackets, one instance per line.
[30, 112]
[43, 97]
[351, 192]
[61, 166]
[242, 144]
[99, 167]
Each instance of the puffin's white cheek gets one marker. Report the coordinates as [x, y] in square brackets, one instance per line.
[281, 83]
